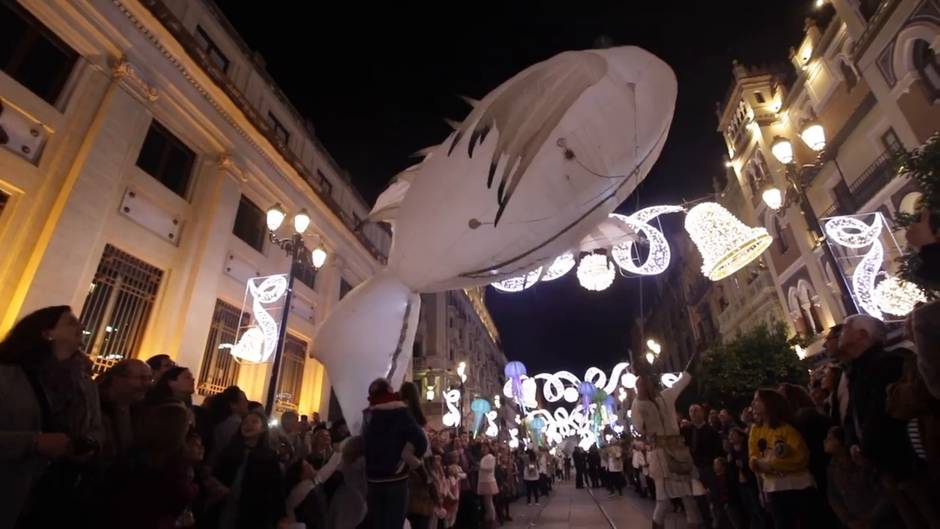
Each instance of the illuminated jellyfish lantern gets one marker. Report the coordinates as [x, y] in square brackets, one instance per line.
[479, 407]
[609, 406]
[514, 372]
[586, 390]
[600, 398]
[537, 424]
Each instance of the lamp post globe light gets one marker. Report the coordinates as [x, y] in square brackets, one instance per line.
[296, 249]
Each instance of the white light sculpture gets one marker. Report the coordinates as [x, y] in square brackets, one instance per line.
[559, 267]
[492, 429]
[654, 346]
[898, 297]
[726, 244]
[514, 438]
[518, 283]
[856, 234]
[452, 400]
[258, 342]
[595, 272]
[669, 379]
[659, 254]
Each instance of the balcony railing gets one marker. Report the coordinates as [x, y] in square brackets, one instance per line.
[751, 295]
[848, 198]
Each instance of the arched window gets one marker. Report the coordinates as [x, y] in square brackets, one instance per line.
[796, 313]
[928, 67]
[808, 308]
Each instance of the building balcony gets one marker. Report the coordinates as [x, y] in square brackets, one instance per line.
[849, 198]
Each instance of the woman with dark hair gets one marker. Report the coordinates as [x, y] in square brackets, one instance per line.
[50, 420]
[223, 420]
[814, 427]
[670, 462]
[251, 474]
[779, 454]
[422, 496]
[176, 385]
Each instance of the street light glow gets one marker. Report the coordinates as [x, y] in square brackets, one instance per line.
[275, 217]
[782, 150]
[815, 136]
[318, 257]
[773, 197]
[301, 221]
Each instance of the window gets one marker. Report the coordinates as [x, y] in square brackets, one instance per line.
[848, 73]
[927, 65]
[216, 57]
[760, 98]
[219, 368]
[118, 306]
[280, 132]
[167, 159]
[250, 224]
[32, 55]
[868, 8]
[344, 288]
[782, 245]
[306, 274]
[891, 142]
[292, 374]
[324, 184]
[4, 199]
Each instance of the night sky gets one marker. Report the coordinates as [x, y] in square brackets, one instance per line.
[377, 82]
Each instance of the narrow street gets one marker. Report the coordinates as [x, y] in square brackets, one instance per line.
[570, 508]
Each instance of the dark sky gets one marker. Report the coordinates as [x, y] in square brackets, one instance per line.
[378, 79]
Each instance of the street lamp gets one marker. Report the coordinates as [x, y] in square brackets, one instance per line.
[814, 135]
[299, 255]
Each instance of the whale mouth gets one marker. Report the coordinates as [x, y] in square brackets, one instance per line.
[500, 268]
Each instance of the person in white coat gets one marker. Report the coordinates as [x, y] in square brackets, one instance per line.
[670, 463]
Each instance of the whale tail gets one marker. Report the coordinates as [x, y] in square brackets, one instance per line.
[369, 334]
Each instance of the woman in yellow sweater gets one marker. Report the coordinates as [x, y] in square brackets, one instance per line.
[778, 454]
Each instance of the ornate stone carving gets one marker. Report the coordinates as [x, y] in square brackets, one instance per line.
[125, 72]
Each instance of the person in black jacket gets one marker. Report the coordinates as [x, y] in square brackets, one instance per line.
[594, 466]
[872, 435]
[704, 443]
[580, 467]
[387, 427]
[249, 470]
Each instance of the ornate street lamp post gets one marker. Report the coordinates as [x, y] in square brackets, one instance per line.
[296, 249]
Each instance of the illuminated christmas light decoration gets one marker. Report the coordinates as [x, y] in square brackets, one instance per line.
[479, 407]
[650, 357]
[492, 428]
[452, 400]
[669, 379]
[856, 234]
[898, 297]
[258, 342]
[514, 372]
[726, 244]
[514, 437]
[595, 272]
[659, 254]
[559, 267]
[518, 283]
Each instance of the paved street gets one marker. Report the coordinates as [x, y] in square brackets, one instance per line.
[570, 508]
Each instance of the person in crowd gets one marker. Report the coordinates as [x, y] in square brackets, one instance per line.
[723, 496]
[248, 467]
[567, 467]
[830, 384]
[50, 420]
[704, 443]
[348, 505]
[451, 497]
[714, 420]
[813, 426]
[615, 467]
[121, 387]
[422, 497]
[439, 484]
[306, 503]
[531, 477]
[289, 439]
[670, 462]
[504, 482]
[747, 484]
[779, 455]
[638, 462]
[223, 419]
[580, 467]
[727, 423]
[160, 364]
[874, 436]
[747, 417]
[487, 487]
[176, 384]
[387, 427]
[154, 487]
[594, 466]
[924, 236]
[853, 491]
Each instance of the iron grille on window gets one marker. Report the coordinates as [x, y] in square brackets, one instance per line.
[219, 368]
[280, 131]
[292, 373]
[32, 55]
[118, 306]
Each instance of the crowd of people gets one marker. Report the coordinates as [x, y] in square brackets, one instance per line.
[858, 448]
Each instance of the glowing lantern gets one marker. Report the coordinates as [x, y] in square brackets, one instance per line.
[479, 407]
[514, 372]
